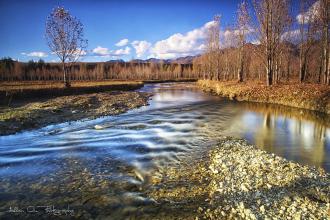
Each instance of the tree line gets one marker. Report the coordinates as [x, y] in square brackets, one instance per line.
[11, 70]
[282, 48]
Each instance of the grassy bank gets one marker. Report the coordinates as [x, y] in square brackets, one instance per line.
[39, 89]
[170, 80]
[307, 96]
[235, 180]
[36, 114]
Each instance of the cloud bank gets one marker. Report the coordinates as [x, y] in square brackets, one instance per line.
[35, 54]
[141, 47]
[190, 43]
[105, 52]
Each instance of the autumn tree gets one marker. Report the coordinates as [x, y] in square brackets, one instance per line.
[65, 38]
[6, 67]
[213, 48]
[228, 41]
[324, 24]
[272, 22]
[307, 22]
[243, 20]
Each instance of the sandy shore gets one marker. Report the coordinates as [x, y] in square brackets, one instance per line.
[306, 96]
[31, 114]
[239, 181]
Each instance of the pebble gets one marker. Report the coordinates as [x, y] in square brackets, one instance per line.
[98, 127]
[246, 182]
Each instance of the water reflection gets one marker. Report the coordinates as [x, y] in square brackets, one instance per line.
[299, 135]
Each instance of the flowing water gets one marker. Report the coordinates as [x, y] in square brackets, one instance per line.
[72, 167]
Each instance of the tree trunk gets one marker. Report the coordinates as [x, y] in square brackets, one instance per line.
[325, 68]
[65, 79]
[302, 70]
[326, 61]
[326, 55]
[227, 67]
[240, 67]
[328, 65]
[269, 47]
[288, 70]
[269, 69]
[276, 71]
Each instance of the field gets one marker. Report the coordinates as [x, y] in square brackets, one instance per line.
[24, 90]
[35, 85]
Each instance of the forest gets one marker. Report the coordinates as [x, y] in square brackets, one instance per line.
[17, 71]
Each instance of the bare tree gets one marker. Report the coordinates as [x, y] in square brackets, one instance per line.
[229, 40]
[65, 37]
[213, 48]
[272, 22]
[243, 20]
[307, 23]
[217, 46]
[325, 20]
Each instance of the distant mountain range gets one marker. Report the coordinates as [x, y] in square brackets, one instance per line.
[249, 48]
[180, 60]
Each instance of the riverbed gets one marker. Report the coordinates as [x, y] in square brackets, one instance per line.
[104, 172]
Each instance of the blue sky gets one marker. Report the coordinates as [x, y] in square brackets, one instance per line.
[146, 28]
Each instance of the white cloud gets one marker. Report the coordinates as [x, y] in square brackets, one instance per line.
[292, 36]
[122, 43]
[105, 52]
[141, 47]
[311, 14]
[190, 43]
[231, 36]
[256, 42]
[101, 51]
[36, 54]
[121, 52]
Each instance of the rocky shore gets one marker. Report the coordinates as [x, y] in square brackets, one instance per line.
[32, 114]
[239, 181]
[306, 96]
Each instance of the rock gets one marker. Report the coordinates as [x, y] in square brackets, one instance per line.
[244, 188]
[98, 127]
[139, 175]
[262, 209]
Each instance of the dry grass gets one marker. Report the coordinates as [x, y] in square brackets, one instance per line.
[31, 85]
[307, 96]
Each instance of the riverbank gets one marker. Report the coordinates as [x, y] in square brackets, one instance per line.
[31, 114]
[306, 96]
[236, 180]
[22, 90]
[170, 80]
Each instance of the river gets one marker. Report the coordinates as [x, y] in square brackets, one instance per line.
[105, 170]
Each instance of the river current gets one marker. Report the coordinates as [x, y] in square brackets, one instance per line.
[73, 164]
